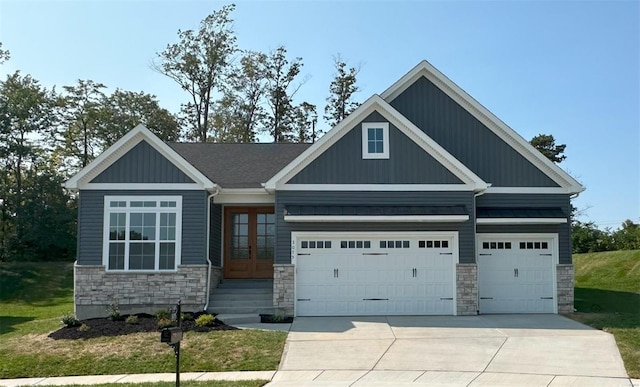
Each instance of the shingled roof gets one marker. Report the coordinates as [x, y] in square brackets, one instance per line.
[238, 165]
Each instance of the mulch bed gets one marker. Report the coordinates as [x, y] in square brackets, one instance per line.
[98, 327]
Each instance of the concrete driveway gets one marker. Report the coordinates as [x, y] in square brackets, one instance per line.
[491, 350]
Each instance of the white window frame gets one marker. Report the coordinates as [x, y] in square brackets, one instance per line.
[155, 210]
[365, 140]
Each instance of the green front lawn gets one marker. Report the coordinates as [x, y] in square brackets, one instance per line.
[607, 297]
[33, 296]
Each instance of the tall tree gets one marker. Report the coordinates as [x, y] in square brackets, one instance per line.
[340, 102]
[240, 111]
[80, 131]
[197, 63]
[123, 110]
[546, 144]
[305, 118]
[26, 115]
[280, 75]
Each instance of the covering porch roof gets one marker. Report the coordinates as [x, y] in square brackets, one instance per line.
[520, 215]
[296, 213]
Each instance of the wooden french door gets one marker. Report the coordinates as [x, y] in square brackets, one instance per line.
[249, 242]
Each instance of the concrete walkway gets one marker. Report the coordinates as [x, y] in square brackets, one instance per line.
[513, 350]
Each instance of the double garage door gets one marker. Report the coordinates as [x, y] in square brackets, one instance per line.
[375, 273]
[516, 273]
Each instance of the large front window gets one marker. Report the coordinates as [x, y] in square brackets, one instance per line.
[142, 233]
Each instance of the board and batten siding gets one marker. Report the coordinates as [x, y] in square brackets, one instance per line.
[215, 235]
[532, 201]
[91, 217]
[142, 164]
[466, 138]
[373, 198]
[342, 163]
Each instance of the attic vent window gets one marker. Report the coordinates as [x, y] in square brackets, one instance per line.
[375, 140]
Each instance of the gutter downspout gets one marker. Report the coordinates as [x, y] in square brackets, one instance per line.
[217, 191]
[475, 236]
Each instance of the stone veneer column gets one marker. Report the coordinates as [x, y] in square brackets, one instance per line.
[467, 289]
[564, 276]
[95, 289]
[283, 291]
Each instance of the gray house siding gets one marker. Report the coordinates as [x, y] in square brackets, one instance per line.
[284, 229]
[532, 200]
[466, 138]
[343, 163]
[91, 217]
[142, 164]
[215, 235]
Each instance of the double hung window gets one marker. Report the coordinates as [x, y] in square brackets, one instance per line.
[142, 233]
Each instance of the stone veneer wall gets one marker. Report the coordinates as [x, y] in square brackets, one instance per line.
[467, 289]
[564, 276]
[95, 289]
[283, 288]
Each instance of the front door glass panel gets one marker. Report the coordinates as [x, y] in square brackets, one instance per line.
[239, 236]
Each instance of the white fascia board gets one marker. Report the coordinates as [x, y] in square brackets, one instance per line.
[376, 218]
[521, 220]
[375, 103]
[126, 143]
[244, 196]
[376, 187]
[142, 186]
[528, 190]
[483, 114]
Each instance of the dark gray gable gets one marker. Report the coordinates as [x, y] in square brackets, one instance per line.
[142, 164]
[342, 163]
[466, 138]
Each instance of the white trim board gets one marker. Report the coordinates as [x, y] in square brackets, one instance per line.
[82, 179]
[375, 103]
[482, 114]
[377, 187]
[521, 220]
[377, 218]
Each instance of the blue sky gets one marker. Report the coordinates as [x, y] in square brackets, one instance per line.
[569, 68]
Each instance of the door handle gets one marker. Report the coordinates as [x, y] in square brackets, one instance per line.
[515, 273]
[249, 251]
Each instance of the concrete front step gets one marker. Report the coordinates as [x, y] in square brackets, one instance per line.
[236, 319]
[246, 284]
[241, 303]
[242, 294]
[240, 310]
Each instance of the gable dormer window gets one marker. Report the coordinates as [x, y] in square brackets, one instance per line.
[375, 140]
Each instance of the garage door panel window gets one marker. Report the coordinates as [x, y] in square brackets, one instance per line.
[433, 244]
[355, 244]
[496, 245]
[534, 245]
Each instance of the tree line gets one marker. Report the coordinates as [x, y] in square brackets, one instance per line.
[232, 95]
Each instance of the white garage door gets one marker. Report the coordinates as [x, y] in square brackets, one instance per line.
[375, 273]
[516, 273]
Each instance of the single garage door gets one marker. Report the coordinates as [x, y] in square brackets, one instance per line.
[375, 274]
[516, 273]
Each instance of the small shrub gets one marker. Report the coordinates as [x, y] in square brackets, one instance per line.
[133, 319]
[162, 313]
[69, 320]
[186, 316]
[164, 323]
[84, 328]
[206, 320]
[113, 310]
